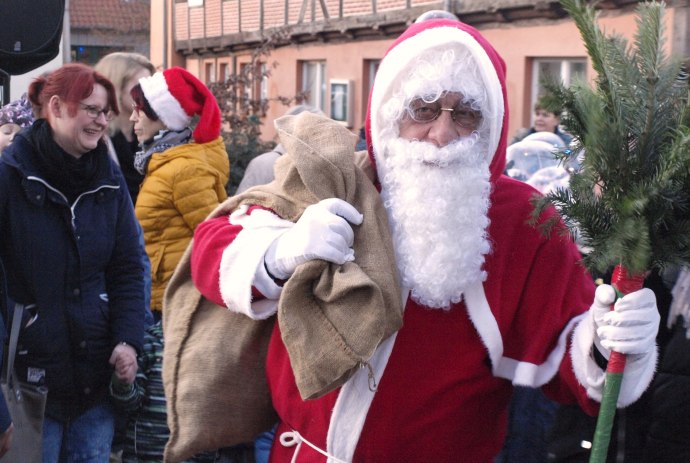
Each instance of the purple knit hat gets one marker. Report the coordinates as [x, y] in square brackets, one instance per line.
[17, 112]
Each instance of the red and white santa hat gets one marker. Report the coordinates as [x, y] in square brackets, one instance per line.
[404, 56]
[176, 96]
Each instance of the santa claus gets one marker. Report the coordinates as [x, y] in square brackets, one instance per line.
[489, 302]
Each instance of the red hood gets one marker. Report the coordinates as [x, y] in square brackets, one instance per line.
[423, 36]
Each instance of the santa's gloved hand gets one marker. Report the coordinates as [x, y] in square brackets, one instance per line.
[630, 328]
[322, 232]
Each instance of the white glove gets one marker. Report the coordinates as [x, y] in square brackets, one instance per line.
[322, 232]
[630, 328]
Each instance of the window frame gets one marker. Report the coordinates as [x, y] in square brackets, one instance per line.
[566, 74]
[341, 111]
[316, 99]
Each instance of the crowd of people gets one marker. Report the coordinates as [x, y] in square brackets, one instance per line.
[77, 256]
[463, 326]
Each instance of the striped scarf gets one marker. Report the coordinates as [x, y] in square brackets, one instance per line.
[164, 140]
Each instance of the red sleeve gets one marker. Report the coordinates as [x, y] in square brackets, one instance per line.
[538, 285]
[211, 238]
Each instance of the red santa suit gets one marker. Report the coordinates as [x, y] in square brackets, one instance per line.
[444, 381]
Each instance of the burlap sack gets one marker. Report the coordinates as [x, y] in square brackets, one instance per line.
[213, 371]
[332, 317]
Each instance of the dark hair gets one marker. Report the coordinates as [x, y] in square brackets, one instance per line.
[548, 103]
[72, 83]
[142, 103]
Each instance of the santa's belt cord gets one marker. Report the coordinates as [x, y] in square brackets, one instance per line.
[292, 438]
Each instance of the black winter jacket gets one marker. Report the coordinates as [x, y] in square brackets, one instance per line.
[668, 438]
[80, 266]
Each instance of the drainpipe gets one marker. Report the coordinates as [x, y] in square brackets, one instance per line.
[66, 38]
[165, 34]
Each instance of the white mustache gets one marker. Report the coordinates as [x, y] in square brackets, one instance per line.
[462, 151]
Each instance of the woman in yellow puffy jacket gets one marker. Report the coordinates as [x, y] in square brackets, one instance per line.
[185, 172]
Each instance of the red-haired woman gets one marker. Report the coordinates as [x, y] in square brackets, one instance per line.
[72, 254]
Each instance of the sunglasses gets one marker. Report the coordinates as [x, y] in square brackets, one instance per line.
[462, 114]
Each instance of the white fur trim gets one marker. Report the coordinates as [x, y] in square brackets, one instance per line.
[163, 102]
[354, 399]
[484, 322]
[400, 57]
[352, 406]
[242, 263]
[529, 374]
[638, 373]
[518, 372]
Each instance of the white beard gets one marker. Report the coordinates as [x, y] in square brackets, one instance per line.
[437, 202]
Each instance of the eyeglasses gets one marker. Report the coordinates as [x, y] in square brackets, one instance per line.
[94, 111]
[462, 114]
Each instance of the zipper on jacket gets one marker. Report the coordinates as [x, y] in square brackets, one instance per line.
[74, 205]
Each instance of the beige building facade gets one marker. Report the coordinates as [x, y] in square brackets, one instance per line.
[334, 46]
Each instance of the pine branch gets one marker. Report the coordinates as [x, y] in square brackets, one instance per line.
[631, 200]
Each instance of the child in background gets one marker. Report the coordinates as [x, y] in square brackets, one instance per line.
[14, 116]
[546, 119]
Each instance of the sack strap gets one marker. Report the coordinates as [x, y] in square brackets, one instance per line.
[8, 372]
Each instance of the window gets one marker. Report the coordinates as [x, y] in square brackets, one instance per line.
[193, 3]
[4, 88]
[371, 66]
[565, 70]
[263, 87]
[90, 55]
[257, 82]
[254, 87]
[341, 101]
[210, 73]
[313, 83]
[224, 71]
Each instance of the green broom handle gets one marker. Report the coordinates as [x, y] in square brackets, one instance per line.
[624, 283]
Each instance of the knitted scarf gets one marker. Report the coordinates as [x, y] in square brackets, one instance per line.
[164, 140]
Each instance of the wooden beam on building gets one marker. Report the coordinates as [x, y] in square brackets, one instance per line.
[324, 9]
[387, 24]
[302, 11]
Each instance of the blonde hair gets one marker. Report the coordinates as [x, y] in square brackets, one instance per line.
[120, 67]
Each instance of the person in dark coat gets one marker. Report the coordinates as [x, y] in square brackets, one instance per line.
[636, 428]
[71, 250]
[668, 436]
[6, 427]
